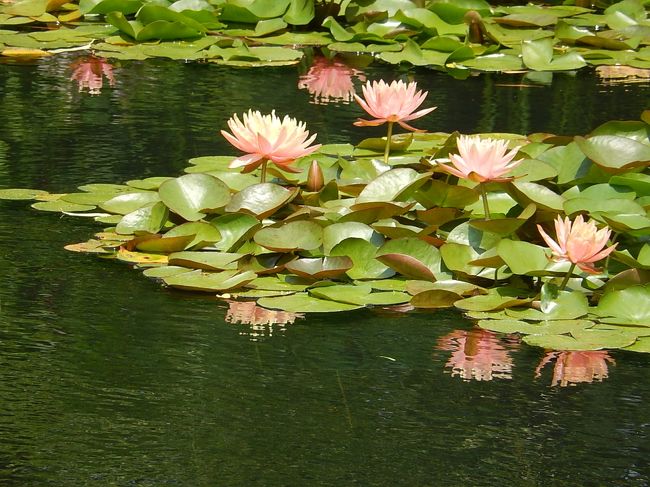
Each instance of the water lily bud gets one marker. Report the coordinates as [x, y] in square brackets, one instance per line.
[315, 180]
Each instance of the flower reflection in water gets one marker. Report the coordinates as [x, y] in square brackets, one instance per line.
[263, 322]
[478, 354]
[89, 72]
[330, 81]
[573, 367]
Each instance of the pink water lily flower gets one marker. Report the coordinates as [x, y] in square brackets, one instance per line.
[580, 242]
[396, 102]
[267, 138]
[481, 160]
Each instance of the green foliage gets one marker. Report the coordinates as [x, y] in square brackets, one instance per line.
[403, 234]
[452, 36]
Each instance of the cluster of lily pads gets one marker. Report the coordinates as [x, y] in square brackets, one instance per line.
[348, 227]
[446, 35]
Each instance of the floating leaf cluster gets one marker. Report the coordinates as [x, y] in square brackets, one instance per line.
[455, 37]
[349, 230]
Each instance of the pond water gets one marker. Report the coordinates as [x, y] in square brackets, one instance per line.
[109, 379]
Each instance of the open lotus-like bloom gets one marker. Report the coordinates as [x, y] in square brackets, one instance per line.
[580, 242]
[268, 138]
[89, 71]
[481, 160]
[395, 102]
[573, 367]
[477, 354]
[330, 81]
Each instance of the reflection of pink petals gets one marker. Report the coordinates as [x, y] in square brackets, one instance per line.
[573, 367]
[478, 354]
[249, 313]
[330, 81]
[88, 72]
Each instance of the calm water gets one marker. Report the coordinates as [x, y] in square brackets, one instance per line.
[109, 379]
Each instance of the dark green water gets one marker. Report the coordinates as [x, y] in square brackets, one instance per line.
[108, 379]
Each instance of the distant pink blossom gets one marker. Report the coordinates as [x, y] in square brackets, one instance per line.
[574, 367]
[477, 354]
[580, 242]
[330, 81]
[481, 159]
[396, 102]
[268, 138]
[89, 74]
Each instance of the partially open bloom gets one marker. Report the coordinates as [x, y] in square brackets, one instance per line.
[330, 81]
[477, 354]
[580, 242]
[396, 102]
[268, 138]
[89, 71]
[481, 160]
[573, 367]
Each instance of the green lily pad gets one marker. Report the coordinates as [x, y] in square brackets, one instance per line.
[148, 219]
[641, 345]
[320, 268]
[20, 194]
[261, 200]
[497, 299]
[394, 185]
[583, 340]
[192, 196]
[207, 260]
[412, 257]
[164, 245]
[303, 303]
[538, 55]
[362, 253]
[165, 271]
[61, 206]
[435, 299]
[128, 202]
[614, 153]
[553, 327]
[201, 234]
[631, 304]
[210, 281]
[234, 229]
[295, 235]
[522, 257]
[337, 232]
[359, 295]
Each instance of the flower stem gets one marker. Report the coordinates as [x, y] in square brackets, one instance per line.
[264, 171]
[486, 208]
[566, 278]
[388, 137]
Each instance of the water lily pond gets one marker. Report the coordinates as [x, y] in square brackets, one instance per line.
[111, 378]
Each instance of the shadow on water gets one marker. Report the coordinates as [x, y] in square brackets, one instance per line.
[109, 379]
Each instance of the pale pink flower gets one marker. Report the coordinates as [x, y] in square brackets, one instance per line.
[88, 72]
[477, 354]
[396, 102]
[268, 138]
[580, 242]
[481, 160]
[330, 81]
[573, 367]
